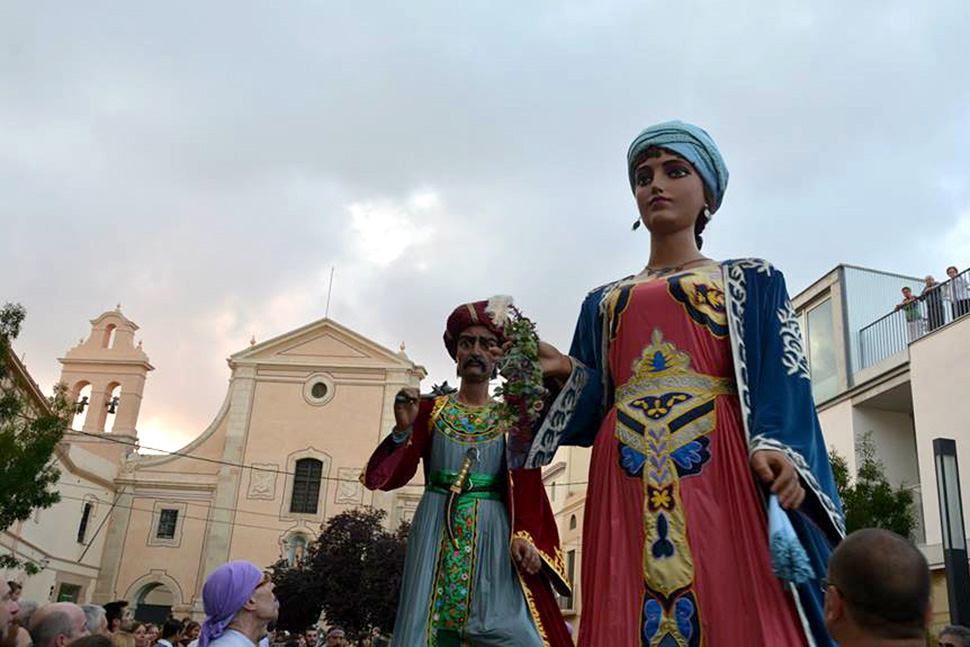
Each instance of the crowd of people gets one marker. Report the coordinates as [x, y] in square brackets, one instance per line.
[934, 297]
[240, 605]
[877, 592]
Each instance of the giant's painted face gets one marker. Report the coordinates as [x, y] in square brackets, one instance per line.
[669, 192]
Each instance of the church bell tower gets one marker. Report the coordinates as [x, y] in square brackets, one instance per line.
[115, 369]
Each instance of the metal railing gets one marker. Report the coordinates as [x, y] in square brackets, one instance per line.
[892, 333]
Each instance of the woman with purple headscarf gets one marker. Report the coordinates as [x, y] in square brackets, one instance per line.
[239, 606]
[690, 382]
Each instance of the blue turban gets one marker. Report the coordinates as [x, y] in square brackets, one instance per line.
[691, 143]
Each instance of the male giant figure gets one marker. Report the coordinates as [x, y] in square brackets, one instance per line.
[481, 562]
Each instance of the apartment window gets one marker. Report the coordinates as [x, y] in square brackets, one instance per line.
[82, 530]
[572, 522]
[306, 486]
[167, 520]
[821, 352]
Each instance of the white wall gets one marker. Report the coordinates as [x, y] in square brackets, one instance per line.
[837, 428]
[940, 372]
[894, 439]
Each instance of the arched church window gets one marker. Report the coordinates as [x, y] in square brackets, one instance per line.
[81, 405]
[111, 406]
[306, 486]
[109, 336]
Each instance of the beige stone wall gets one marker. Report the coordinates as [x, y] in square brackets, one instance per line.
[147, 561]
[941, 605]
[570, 470]
[283, 428]
[238, 507]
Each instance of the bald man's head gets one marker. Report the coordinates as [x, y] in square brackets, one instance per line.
[883, 582]
[57, 625]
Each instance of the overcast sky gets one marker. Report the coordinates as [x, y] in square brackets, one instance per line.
[206, 163]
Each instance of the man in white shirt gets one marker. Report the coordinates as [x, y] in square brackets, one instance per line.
[239, 604]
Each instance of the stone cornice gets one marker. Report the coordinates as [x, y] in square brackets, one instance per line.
[138, 485]
[330, 365]
[140, 363]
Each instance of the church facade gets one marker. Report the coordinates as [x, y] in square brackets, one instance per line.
[284, 452]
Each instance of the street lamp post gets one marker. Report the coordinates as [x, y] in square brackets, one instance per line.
[954, 536]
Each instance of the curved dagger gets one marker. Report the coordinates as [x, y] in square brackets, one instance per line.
[456, 489]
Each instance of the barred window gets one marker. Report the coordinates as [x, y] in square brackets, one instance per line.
[85, 517]
[306, 486]
[167, 519]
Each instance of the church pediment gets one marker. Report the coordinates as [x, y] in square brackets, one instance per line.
[324, 346]
[320, 343]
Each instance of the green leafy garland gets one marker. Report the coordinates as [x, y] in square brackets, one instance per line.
[523, 394]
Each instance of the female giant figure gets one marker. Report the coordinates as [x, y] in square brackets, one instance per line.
[690, 382]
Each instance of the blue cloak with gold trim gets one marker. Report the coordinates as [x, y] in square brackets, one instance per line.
[774, 390]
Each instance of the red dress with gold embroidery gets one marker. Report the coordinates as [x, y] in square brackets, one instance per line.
[671, 491]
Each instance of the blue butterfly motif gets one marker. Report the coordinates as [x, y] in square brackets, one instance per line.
[653, 613]
[690, 458]
[631, 460]
[683, 615]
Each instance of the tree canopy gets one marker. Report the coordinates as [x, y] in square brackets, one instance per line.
[869, 500]
[352, 572]
[28, 437]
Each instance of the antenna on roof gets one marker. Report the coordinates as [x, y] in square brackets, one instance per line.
[329, 292]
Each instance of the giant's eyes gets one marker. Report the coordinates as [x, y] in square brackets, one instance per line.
[643, 177]
[677, 171]
[468, 343]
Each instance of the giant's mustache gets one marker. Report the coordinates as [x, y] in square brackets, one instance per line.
[473, 360]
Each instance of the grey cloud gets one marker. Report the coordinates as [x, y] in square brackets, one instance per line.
[197, 161]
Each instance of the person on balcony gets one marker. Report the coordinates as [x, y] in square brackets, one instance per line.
[910, 308]
[933, 297]
[959, 293]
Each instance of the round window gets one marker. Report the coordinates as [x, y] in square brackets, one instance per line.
[318, 389]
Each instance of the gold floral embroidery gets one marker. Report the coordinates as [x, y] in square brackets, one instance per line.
[701, 292]
[665, 406]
